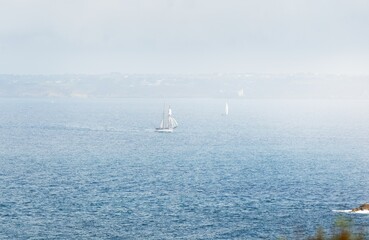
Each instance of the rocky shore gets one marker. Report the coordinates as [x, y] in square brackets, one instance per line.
[364, 207]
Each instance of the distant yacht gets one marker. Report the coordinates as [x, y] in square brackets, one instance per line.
[240, 93]
[226, 109]
[168, 124]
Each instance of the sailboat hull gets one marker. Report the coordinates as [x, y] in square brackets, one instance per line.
[164, 130]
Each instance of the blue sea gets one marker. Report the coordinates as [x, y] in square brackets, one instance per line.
[95, 168]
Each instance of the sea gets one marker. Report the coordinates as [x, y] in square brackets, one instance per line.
[96, 169]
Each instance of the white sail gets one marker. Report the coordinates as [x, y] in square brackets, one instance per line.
[240, 93]
[175, 123]
[226, 109]
[172, 122]
[168, 123]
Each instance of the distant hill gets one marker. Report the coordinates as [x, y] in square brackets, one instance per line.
[116, 85]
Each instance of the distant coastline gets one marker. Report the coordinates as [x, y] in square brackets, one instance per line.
[119, 85]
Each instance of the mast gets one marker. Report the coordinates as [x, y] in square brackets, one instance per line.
[164, 116]
[169, 117]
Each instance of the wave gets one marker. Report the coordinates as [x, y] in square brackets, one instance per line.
[90, 128]
[350, 211]
[70, 128]
[98, 129]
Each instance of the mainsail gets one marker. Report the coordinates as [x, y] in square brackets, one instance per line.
[226, 108]
[172, 123]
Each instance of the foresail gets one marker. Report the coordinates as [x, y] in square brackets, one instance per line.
[175, 123]
[162, 124]
[172, 122]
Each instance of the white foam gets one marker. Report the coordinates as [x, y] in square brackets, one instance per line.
[362, 212]
[350, 211]
[343, 211]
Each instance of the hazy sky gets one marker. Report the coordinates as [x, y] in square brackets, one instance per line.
[184, 36]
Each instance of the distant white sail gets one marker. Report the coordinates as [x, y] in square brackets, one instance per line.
[168, 123]
[226, 109]
[172, 122]
[240, 92]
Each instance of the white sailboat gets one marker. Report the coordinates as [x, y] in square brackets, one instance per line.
[168, 124]
[240, 93]
[225, 110]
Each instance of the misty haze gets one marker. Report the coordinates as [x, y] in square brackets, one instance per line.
[184, 119]
[116, 85]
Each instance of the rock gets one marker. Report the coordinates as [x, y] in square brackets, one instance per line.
[364, 207]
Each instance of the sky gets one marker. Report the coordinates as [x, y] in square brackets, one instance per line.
[184, 36]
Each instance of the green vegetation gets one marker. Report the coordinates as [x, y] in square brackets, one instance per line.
[343, 230]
